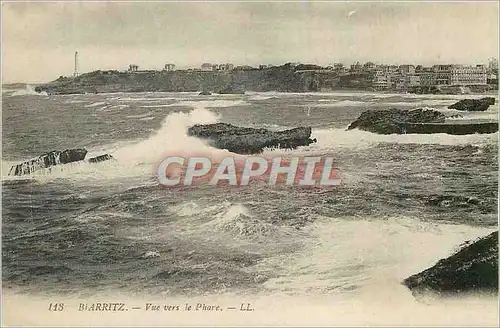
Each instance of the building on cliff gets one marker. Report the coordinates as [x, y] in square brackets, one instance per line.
[223, 67]
[406, 69]
[133, 68]
[460, 75]
[381, 80]
[169, 67]
[427, 76]
[356, 68]
[207, 67]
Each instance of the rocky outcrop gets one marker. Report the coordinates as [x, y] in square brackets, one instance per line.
[54, 158]
[459, 128]
[394, 120]
[100, 158]
[49, 159]
[418, 121]
[473, 105]
[232, 91]
[284, 78]
[243, 140]
[474, 268]
[205, 93]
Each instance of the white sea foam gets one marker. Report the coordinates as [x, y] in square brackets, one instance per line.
[74, 101]
[341, 103]
[140, 115]
[155, 106]
[28, 91]
[339, 259]
[95, 104]
[330, 139]
[261, 97]
[146, 99]
[171, 137]
[210, 103]
[239, 222]
[475, 116]
[119, 106]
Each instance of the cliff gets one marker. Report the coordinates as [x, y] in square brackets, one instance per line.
[285, 78]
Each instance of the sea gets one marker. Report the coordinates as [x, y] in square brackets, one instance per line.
[85, 230]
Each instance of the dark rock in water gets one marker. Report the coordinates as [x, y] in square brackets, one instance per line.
[459, 128]
[418, 121]
[49, 159]
[205, 93]
[473, 105]
[249, 140]
[72, 155]
[455, 116]
[474, 268]
[452, 201]
[100, 158]
[394, 120]
[231, 90]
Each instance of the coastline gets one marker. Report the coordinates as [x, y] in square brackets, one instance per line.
[283, 78]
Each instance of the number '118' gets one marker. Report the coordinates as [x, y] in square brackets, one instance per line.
[56, 306]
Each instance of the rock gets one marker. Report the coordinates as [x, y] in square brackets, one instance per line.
[455, 116]
[418, 121]
[458, 128]
[205, 93]
[452, 200]
[249, 140]
[72, 155]
[394, 120]
[49, 159]
[231, 90]
[474, 268]
[100, 158]
[474, 105]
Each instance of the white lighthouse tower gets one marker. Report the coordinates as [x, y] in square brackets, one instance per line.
[76, 64]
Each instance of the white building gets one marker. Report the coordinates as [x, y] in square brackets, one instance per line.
[460, 74]
[169, 67]
[207, 67]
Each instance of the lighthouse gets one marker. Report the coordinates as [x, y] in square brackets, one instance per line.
[76, 64]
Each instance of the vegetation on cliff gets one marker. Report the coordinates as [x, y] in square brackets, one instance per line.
[285, 78]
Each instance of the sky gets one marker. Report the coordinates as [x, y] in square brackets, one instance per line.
[39, 39]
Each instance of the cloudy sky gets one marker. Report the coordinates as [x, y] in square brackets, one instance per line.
[39, 39]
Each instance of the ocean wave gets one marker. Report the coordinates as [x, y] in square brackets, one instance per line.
[261, 97]
[474, 116]
[28, 91]
[156, 106]
[172, 136]
[95, 104]
[343, 261]
[119, 106]
[210, 103]
[146, 99]
[330, 139]
[341, 103]
[140, 115]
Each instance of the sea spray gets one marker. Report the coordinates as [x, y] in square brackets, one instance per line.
[172, 136]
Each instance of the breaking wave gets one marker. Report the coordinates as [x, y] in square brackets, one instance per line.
[27, 91]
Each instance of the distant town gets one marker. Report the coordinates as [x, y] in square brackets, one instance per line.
[382, 77]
